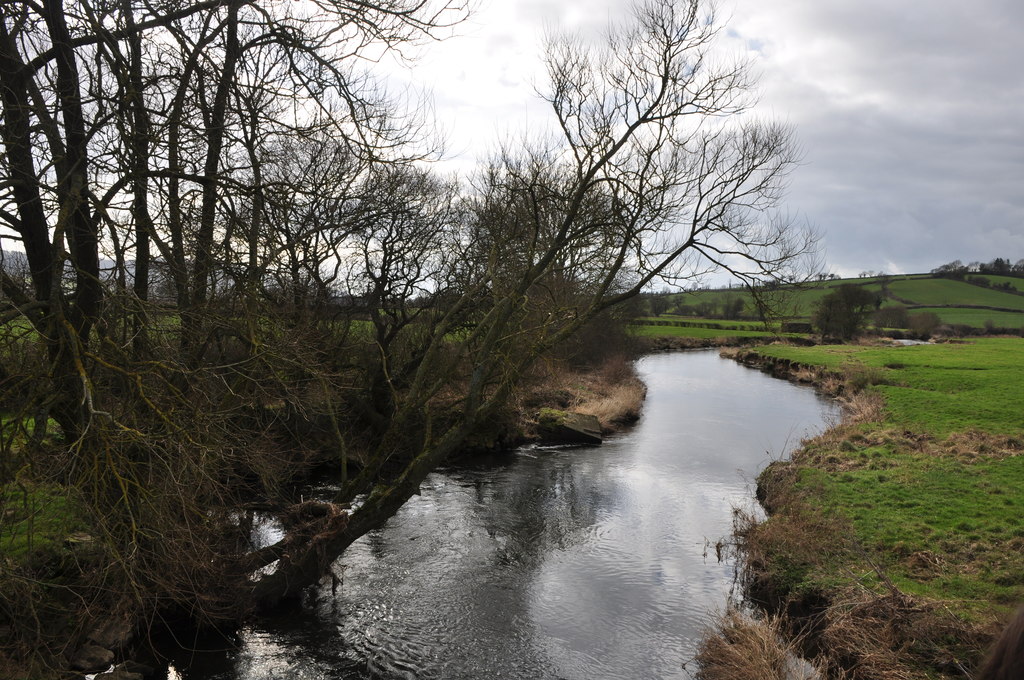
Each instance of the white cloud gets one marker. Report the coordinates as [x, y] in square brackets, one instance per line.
[908, 112]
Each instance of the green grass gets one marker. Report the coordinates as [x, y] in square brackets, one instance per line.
[976, 318]
[741, 324]
[699, 333]
[36, 519]
[935, 493]
[919, 513]
[940, 388]
[942, 292]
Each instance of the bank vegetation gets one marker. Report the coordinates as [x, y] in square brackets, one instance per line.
[893, 543]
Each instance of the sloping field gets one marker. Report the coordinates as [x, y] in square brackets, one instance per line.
[976, 318]
[790, 302]
[945, 292]
[951, 300]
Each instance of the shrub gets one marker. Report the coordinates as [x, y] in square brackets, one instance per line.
[924, 324]
[891, 317]
[843, 312]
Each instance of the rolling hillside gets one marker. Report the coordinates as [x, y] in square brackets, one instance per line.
[954, 301]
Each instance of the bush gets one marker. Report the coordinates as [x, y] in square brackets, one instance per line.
[923, 324]
[843, 313]
[891, 317]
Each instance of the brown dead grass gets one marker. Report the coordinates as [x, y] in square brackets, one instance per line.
[620, 404]
[836, 449]
[739, 647]
[613, 392]
[863, 407]
[974, 445]
[730, 352]
[893, 636]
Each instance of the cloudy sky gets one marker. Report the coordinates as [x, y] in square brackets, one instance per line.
[909, 112]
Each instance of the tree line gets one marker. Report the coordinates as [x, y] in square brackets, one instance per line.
[999, 267]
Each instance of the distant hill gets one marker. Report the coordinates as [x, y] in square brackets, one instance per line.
[976, 301]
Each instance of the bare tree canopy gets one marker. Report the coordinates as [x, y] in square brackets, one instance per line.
[231, 236]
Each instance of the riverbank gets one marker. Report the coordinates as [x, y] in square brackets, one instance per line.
[894, 546]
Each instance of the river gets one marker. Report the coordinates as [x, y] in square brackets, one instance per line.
[571, 563]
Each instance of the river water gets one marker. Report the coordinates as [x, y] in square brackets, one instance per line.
[571, 563]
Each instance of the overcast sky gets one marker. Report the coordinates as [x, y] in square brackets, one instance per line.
[909, 112]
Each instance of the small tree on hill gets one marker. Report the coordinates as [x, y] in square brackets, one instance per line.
[659, 304]
[732, 307]
[844, 312]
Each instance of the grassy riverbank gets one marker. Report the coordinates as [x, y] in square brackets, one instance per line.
[896, 539]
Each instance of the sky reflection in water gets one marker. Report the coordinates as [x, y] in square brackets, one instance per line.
[558, 563]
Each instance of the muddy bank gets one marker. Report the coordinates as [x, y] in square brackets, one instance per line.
[831, 383]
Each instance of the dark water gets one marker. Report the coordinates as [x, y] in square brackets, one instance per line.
[560, 563]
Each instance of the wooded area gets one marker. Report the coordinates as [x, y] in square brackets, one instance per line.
[233, 238]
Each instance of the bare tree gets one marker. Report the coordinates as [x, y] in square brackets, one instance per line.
[142, 131]
[236, 140]
[655, 175]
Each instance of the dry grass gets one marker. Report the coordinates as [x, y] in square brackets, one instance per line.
[620, 404]
[863, 407]
[739, 647]
[731, 352]
[832, 450]
[613, 392]
[974, 445]
[896, 637]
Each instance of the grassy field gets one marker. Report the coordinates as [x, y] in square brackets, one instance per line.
[976, 318]
[941, 388]
[37, 518]
[944, 297]
[700, 333]
[935, 490]
[669, 319]
[935, 292]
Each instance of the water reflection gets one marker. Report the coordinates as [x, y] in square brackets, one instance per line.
[559, 563]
